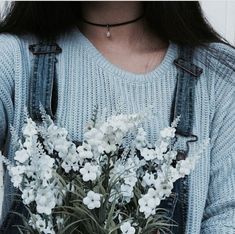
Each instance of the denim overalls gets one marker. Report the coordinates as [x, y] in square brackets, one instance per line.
[43, 90]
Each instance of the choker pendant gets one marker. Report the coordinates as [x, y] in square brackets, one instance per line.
[108, 34]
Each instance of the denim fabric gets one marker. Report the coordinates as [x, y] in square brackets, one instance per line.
[185, 91]
[4, 229]
[43, 77]
[9, 226]
[183, 106]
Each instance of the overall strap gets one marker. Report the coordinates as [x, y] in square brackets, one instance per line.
[42, 78]
[183, 106]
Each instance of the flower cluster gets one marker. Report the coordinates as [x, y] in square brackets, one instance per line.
[102, 172]
[34, 174]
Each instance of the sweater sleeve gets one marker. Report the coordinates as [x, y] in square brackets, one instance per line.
[7, 76]
[6, 84]
[219, 213]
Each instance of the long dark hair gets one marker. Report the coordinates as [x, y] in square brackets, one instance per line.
[180, 22]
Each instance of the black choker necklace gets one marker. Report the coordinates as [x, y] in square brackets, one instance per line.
[108, 34]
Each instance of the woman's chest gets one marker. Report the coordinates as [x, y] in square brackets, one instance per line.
[84, 87]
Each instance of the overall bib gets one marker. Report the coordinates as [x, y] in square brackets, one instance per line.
[43, 91]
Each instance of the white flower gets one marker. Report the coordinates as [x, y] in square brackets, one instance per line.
[62, 147]
[40, 224]
[100, 143]
[171, 155]
[89, 172]
[17, 175]
[148, 179]
[175, 175]
[126, 228]
[29, 142]
[104, 147]
[108, 135]
[55, 139]
[130, 180]
[147, 205]
[148, 154]
[85, 151]
[21, 155]
[153, 194]
[18, 170]
[185, 166]
[43, 161]
[45, 200]
[66, 166]
[46, 174]
[71, 160]
[92, 200]
[168, 132]
[43, 167]
[30, 129]
[163, 188]
[163, 146]
[54, 132]
[94, 137]
[28, 195]
[132, 165]
[127, 191]
[140, 140]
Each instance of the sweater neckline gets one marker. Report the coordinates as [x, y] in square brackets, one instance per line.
[104, 63]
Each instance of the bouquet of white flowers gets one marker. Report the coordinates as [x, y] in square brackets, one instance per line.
[99, 185]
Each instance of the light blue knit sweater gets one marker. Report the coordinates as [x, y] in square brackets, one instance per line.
[86, 78]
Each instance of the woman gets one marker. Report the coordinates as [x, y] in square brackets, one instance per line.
[133, 64]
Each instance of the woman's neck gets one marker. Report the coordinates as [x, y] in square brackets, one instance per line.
[135, 36]
[114, 12]
[111, 12]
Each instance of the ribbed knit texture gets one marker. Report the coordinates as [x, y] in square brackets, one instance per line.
[86, 78]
